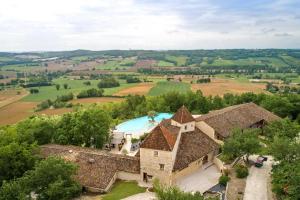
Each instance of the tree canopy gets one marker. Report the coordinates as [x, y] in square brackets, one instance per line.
[242, 142]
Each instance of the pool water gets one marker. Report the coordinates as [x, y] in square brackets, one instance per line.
[141, 125]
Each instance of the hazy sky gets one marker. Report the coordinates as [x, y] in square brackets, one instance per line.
[148, 24]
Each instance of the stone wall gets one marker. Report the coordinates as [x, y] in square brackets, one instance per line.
[150, 164]
[193, 167]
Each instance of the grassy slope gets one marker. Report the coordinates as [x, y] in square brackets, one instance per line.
[180, 60]
[275, 62]
[50, 92]
[168, 86]
[163, 63]
[116, 64]
[122, 189]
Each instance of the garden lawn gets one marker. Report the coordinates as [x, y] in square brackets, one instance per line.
[169, 86]
[123, 189]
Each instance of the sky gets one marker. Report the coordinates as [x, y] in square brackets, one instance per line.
[50, 25]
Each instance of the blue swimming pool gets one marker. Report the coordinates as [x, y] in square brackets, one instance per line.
[141, 125]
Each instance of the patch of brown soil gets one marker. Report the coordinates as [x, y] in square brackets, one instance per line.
[97, 100]
[58, 111]
[140, 89]
[16, 111]
[11, 95]
[223, 86]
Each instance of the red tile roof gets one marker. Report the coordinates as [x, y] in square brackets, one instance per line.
[238, 116]
[183, 116]
[160, 138]
[98, 173]
[193, 146]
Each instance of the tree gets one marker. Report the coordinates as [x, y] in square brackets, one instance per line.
[284, 149]
[152, 114]
[87, 127]
[65, 86]
[279, 105]
[14, 190]
[51, 179]
[282, 128]
[242, 142]
[15, 160]
[37, 128]
[57, 86]
[108, 82]
[286, 179]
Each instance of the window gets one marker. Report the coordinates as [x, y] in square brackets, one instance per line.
[161, 167]
[185, 127]
[155, 153]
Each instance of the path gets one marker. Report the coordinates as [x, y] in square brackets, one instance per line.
[201, 180]
[142, 196]
[257, 181]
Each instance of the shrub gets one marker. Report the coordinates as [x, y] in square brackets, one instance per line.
[134, 140]
[44, 105]
[171, 193]
[59, 104]
[87, 83]
[241, 171]
[65, 98]
[131, 79]
[33, 91]
[90, 93]
[108, 82]
[223, 180]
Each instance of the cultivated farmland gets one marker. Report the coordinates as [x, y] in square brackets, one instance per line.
[169, 86]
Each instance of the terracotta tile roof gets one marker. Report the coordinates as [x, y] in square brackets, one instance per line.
[96, 167]
[183, 116]
[160, 138]
[173, 129]
[193, 146]
[238, 116]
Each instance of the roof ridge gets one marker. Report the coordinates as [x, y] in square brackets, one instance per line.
[163, 133]
[224, 110]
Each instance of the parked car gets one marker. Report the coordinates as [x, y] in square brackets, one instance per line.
[260, 161]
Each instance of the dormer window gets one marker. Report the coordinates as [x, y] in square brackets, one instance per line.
[155, 153]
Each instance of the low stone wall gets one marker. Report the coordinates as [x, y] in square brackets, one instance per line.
[128, 176]
[220, 165]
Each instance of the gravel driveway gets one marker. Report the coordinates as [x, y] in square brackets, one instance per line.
[256, 184]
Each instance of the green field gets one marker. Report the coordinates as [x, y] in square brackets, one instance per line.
[180, 60]
[123, 189]
[163, 63]
[261, 61]
[117, 64]
[50, 92]
[19, 68]
[168, 86]
[291, 60]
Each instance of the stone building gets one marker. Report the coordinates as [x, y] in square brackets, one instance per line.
[174, 149]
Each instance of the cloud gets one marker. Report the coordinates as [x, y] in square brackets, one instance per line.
[283, 35]
[148, 24]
